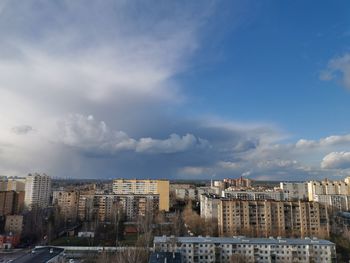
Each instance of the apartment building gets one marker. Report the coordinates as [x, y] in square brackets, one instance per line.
[327, 187]
[16, 184]
[251, 250]
[14, 224]
[334, 202]
[272, 218]
[238, 182]
[184, 191]
[295, 191]
[209, 206]
[254, 195]
[11, 202]
[107, 208]
[37, 191]
[140, 187]
[67, 202]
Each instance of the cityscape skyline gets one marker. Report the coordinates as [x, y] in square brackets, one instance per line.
[184, 90]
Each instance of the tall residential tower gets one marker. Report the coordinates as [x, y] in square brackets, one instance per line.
[37, 191]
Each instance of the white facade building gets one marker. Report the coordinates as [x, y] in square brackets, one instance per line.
[209, 206]
[37, 191]
[260, 250]
[254, 195]
[327, 187]
[338, 202]
[294, 191]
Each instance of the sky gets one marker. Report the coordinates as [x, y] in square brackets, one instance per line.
[175, 89]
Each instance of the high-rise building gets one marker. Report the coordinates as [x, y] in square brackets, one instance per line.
[37, 191]
[250, 250]
[139, 187]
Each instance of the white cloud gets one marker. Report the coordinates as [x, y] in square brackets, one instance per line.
[338, 69]
[336, 160]
[94, 137]
[329, 141]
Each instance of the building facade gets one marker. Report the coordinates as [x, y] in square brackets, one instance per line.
[67, 202]
[327, 187]
[209, 206]
[37, 191]
[272, 218]
[14, 224]
[295, 191]
[251, 250]
[139, 187]
[11, 202]
[254, 195]
[108, 208]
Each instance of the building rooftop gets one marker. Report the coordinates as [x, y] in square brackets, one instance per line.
[241, 239]
[39, 255]
[165, 257]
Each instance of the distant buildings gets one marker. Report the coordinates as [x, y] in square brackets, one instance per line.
[141, 187]
[242, 249]
[238, 182]
[37, 191]
[184, 191]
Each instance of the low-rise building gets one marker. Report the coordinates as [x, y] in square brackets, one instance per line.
[262, 250]
[9, 241]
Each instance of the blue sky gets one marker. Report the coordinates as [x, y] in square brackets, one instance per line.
[268, 68]
[175, 89]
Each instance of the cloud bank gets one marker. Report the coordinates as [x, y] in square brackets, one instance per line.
[90, 91]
